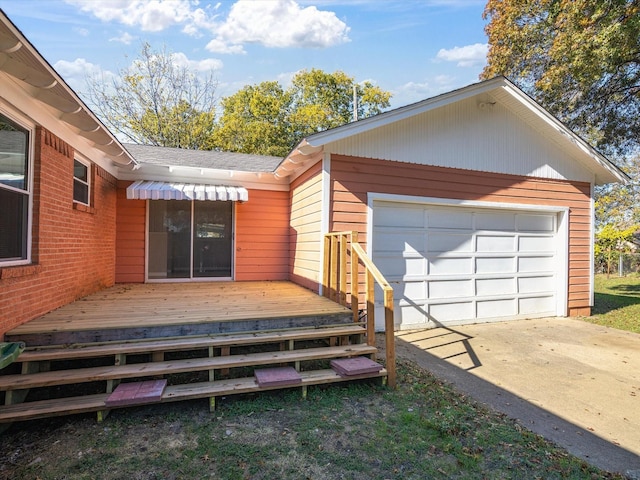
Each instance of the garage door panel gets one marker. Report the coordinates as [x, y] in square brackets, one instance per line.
[536, 244]
[535, 223]
[399, 241]
[416, 290]
[537, 284]
[410, 217]
[495, 286]
[443, 219]
[451, 266]
[497, 308]
[449, 242]
[489, 265]
[495, 243]
[537, 305]
[450, 288]
[448, 312]
[531, 264]
[504, 222]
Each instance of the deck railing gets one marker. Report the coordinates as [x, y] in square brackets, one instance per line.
[338, 248]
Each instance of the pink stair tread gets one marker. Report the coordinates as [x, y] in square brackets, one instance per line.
[137, 392]
[267, 377]
[355, 366]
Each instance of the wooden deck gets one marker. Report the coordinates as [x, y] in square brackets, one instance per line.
[142, 311]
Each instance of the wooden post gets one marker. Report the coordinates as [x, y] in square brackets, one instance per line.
[343, 270]
[326, 265]
[389, 328]
[333, 281]
[371, 308]
[355, 268]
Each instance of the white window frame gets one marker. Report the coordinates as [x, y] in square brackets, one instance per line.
[87, 164]
[29, 126]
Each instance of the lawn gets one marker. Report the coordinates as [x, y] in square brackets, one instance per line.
[617, 302]
[422, 430]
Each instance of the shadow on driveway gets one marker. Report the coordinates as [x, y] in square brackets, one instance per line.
[572, 382]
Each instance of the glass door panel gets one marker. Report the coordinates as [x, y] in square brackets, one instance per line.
[212, 242]
[169, 239]
[190, 239]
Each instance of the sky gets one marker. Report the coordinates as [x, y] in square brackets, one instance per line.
[414, 49]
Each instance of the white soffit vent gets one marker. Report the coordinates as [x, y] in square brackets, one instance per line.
[145, 190]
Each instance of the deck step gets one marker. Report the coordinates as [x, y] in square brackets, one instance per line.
[66, 377]
[94, 403]
[183, 343]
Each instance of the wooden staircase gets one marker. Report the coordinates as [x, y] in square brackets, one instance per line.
[221, 365]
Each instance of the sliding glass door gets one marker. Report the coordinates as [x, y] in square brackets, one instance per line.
[190, 239]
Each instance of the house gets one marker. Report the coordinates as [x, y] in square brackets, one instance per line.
[476, 205]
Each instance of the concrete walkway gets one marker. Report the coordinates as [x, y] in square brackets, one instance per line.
[574, 383]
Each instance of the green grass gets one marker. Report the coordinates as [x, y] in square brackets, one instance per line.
[617, 302]
[423, 429]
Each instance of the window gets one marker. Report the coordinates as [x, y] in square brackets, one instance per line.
[15, 194]
[81, 183]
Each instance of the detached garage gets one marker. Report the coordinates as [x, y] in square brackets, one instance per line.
[476, 205]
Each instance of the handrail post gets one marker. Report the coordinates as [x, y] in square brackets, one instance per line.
[355, 295]
[333, 281]
[371, 315]
[343, 270]
[390, 346]
[326, 264]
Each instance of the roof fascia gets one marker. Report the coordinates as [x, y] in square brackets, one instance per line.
[38, 82]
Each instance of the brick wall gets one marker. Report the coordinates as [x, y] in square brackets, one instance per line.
[73, 246]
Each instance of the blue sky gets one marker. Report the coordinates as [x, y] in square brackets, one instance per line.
[413, 48]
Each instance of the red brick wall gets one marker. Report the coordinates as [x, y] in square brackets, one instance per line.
[73, 246]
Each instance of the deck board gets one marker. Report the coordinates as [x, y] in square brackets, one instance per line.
[181, 306]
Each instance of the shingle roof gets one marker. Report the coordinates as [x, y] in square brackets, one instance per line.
[179, 157]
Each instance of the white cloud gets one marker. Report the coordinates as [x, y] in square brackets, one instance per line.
[467, 56]
[149, 15]
[277, 23]
[205, 65]
[125, 38]
[75, 73]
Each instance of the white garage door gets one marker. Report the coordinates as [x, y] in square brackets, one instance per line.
[451, 264]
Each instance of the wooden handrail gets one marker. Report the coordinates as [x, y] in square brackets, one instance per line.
[337, 247]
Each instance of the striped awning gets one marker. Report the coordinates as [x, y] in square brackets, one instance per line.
[145, 190]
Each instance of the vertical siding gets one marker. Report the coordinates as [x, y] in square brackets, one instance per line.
[352, 178]
[262, 236]
[306, 228]
[73, 248]
[130, 237]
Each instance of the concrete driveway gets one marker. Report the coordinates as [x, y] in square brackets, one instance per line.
[572, 382]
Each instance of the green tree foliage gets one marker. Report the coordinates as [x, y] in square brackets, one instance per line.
[155, 101]
[617, 204]
[253, 120]
[611, 242]
[269, 119]
[578, 58]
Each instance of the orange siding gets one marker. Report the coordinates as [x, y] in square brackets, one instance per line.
[306, 228]
[352, 178]
[130, 237]
[262, 236]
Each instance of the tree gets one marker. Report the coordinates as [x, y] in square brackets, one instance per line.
[269, 119]
[155, 101]
[253, 120]
[611, 242]
[617, 204]
[578, 58]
